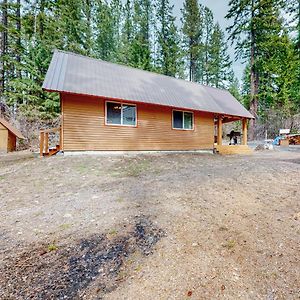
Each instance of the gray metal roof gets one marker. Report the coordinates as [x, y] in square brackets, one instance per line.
[73, 73]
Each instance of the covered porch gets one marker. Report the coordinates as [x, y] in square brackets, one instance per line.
[240, 147]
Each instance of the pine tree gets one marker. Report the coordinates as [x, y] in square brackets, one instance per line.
[4, 44]
[140, 50]
[209, 37]
[37, 39]
[88, 7]
[192, 30]
[126, 34]
[72, 24]
[252, 24]
[104, 46]
[218, 70]
[116, 16]
[234, 87]
[169, 57]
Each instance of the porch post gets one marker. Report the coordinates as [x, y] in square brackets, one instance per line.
[244, 122]
[220, 132]
[42, 141]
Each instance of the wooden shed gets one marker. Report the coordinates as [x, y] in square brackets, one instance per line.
[111, 107]
[8, 136]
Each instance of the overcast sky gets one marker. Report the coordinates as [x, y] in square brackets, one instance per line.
[219, 8]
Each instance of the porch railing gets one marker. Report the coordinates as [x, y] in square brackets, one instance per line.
[46, 146]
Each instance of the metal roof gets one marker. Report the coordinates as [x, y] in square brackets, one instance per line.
[12, 129]
[73, 73]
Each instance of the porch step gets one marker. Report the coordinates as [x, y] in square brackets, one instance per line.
[233, 149]
[52, 151]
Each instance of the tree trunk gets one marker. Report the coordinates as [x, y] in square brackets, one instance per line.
[191, 61]
[253, 81]
[18, 26]
[41, 18]
[3, 49]
[298, 42]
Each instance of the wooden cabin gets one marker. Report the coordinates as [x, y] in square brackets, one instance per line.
[111, 107]
[8, 136]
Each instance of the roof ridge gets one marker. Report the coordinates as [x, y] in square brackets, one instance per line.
[139, 70]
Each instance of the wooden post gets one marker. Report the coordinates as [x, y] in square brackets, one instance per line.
[46, 142]
[60, 138]
[244, 124]
[42, 139]
[220, 131]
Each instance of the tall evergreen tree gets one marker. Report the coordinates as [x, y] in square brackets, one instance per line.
[141, 43]
[126, 34]
[4, 43]
[234, 87]
[88, 7]
[218, 70]
[104, 45]
[252, 22]
[209, 36]
[169, 59]
[116, 22]
[192, 31]
[72, 24]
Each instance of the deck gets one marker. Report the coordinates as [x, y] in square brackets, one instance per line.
[233, 149]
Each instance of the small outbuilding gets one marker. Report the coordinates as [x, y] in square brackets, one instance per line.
[8, 136]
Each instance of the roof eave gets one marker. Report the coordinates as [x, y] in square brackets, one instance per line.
[135, 101]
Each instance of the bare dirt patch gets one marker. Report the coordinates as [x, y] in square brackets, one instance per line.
[218, 227]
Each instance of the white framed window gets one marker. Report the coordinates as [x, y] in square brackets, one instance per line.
[117, 113]
[183, 120]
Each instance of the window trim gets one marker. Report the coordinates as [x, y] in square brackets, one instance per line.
[120, 103]
[183, 111]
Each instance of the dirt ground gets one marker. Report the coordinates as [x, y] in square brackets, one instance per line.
[176, 226]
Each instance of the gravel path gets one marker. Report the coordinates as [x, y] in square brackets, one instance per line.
[180, 226]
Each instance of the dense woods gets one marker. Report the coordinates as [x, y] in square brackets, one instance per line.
[147, 35]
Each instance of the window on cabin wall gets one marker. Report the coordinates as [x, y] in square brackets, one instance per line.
[120, 114]
[183, 120]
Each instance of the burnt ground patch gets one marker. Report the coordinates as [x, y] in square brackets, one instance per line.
[88, 268]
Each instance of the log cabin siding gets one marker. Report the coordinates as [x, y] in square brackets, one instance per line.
[11, 142]
[7, 140]
[83, 126]
[3, 138]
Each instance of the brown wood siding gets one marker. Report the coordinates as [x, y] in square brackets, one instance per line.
[11, 142]
[84, 128]
[3, 138]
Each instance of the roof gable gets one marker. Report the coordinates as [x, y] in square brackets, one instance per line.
[11, 128]
[72, 73]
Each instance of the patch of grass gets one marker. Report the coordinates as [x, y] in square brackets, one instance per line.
[132, 168]
[2, 177]
[37, 214]
[136, 169]
[122, 275]
[116, 174]
[52, 247]
[64, 226]
[82, 168]
[229, 244]
[138, 268]
[113, 232]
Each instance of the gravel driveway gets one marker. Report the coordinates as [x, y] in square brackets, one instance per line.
[171, 226]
